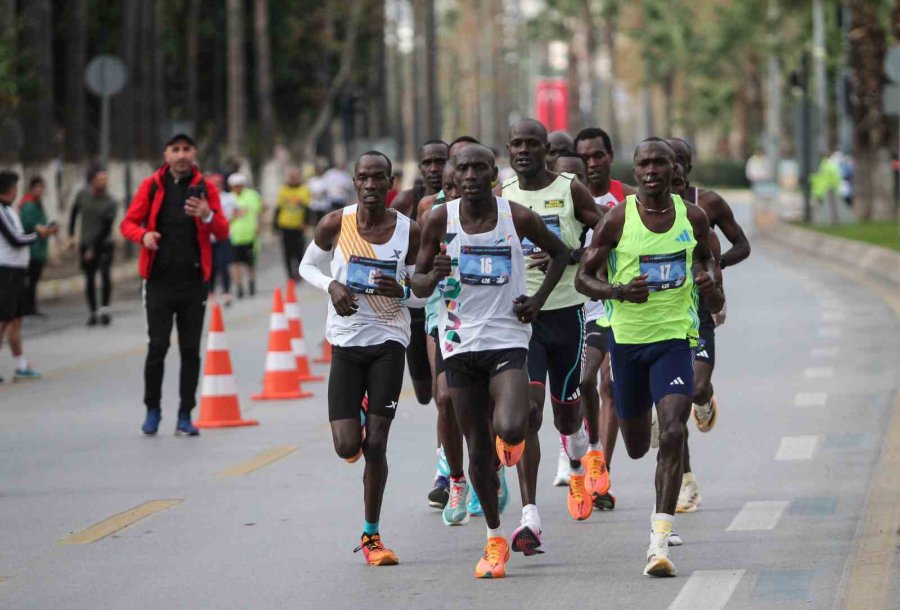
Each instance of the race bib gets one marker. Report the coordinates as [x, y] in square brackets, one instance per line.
[552, 222]
[664, 271]
[362, 271]
[485, 265]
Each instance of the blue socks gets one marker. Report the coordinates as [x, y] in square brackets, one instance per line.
[370, 528]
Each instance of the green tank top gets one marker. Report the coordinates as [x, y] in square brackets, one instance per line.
[666, 258]
[554, 204]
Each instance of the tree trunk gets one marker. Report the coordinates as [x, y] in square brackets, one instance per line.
[192, 57]
[37, 96]
[10, 132]
[237, 120]
[264, 78]
[867, 50]
[124, 130]
[76, 57]
[610, 25]
[158, 80]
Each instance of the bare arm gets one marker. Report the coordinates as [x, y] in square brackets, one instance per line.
[591, 278]
[530, 225]
[404, 203]
[429, 271]
[586, 211]
[721, 215]
[705, 267]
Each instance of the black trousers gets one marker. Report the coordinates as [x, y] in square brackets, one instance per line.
[101, 261]
[293, 242]
[183, 302]
[35, 269]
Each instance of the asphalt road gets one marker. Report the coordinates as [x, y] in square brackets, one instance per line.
[806, 380]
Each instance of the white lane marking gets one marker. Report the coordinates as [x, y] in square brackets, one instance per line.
[810, 399]
[821, 372]
[707, 589]
[794, 448]
[758, 516]
[833, 316]
[830, 332]
[823, 352]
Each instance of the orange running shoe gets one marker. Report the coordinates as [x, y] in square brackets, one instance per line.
[509, 454]
[493, 563]
[375, 552]
[597, 480]
[581, 504]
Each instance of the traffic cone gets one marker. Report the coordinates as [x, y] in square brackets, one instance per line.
[219, 406]
[325, 358]
[280, 378]
[298, 343]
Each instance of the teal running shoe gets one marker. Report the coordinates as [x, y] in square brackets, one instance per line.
[443, 465]
[455, 512]
[474, 505]
[503, 492]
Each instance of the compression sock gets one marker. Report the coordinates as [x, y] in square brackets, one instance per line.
[370, 528]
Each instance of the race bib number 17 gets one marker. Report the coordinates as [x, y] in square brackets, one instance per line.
[664, 271]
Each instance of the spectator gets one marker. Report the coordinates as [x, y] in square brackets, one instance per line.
[173, 214]
[32, 214]
[244, 233]
[319, 205]
[221, 248]
[396, 185]
[290, 218]
[14, 255]
[98, 211]
[339, 186]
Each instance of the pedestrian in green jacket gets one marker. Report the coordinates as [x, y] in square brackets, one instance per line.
[32, 214]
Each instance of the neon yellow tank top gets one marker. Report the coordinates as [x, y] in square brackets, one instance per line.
[666, 258]
[554, 204]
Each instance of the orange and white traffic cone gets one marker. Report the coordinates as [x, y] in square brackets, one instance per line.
[298, 343]
[325, 358]
[219, 407]
[280, 378]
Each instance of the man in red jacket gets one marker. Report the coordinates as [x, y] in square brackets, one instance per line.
[172, 216]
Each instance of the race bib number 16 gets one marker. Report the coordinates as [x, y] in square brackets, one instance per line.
[484, 265]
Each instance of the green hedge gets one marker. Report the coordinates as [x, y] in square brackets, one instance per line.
[713, 174]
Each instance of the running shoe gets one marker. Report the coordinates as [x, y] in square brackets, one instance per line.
[185, 427]
[151, 422]
[658, 562]
[375, 552]
[605, 502]
[527, 539]
[654, 429]
[562, 469]
[474, 505]
[509, 454]
[503, 491]
[689, 496]
[105, 318]
[580, 503]
[93, 320]
[675, 539]
[440, 493]
[597, 480]
[442, 465]
[577, 444]
[29, 374]
[455, 512]
[493, 563]
[705, 416]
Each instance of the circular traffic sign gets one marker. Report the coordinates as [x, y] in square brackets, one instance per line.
[892, 63]
[106, 75]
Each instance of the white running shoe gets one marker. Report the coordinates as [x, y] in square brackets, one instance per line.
[689, 496]
[654, 429]
[562, 470]
[705, 416]
[577, 444]
[674, 539]
[658, 562]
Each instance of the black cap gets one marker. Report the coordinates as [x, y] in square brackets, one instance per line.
[181, 136]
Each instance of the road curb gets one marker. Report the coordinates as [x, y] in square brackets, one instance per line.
[67, 286]
[877, 263]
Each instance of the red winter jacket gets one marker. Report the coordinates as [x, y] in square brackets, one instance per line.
[141, 218]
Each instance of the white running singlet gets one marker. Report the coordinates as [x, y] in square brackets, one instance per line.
[476, 308]
[354, 264]
[593, 310]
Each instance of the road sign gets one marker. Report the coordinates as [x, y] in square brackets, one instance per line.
[892, 63]
[106, 75]
[890, 99]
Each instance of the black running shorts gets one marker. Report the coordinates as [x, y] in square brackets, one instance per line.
[706, 350]
[556, 351]
[478, 368]
[12, 293]
[376, 370]
[417, 352]
[595, 336]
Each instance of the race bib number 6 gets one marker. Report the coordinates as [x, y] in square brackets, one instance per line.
[664, 271]
[362, 271]
[484, 265]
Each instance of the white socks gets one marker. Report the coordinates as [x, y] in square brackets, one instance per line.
[530, 515]
[496, 532]
[595, 446]
[21, 362]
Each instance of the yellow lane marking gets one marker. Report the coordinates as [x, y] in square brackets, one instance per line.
[873, 563]
[259, 461]
[113, 524]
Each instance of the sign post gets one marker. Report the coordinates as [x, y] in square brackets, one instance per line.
[105, 76]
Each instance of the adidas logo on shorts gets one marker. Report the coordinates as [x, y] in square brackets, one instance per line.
[677, 381]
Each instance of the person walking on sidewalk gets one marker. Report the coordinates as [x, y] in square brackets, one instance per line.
[98, 212]
[172, 216]
[32, 214]
[290, 219]
[244, 233]
[221, 248]
[14, 254]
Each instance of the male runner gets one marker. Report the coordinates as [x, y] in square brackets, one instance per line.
[559, 142]
[595, 146]
[371, 252]
[647, 261]
[473, 245]
[570, 163]
[706, 407]
[557, 341]
[432, 157]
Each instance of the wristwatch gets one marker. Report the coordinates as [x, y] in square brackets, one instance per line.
[617, 292]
